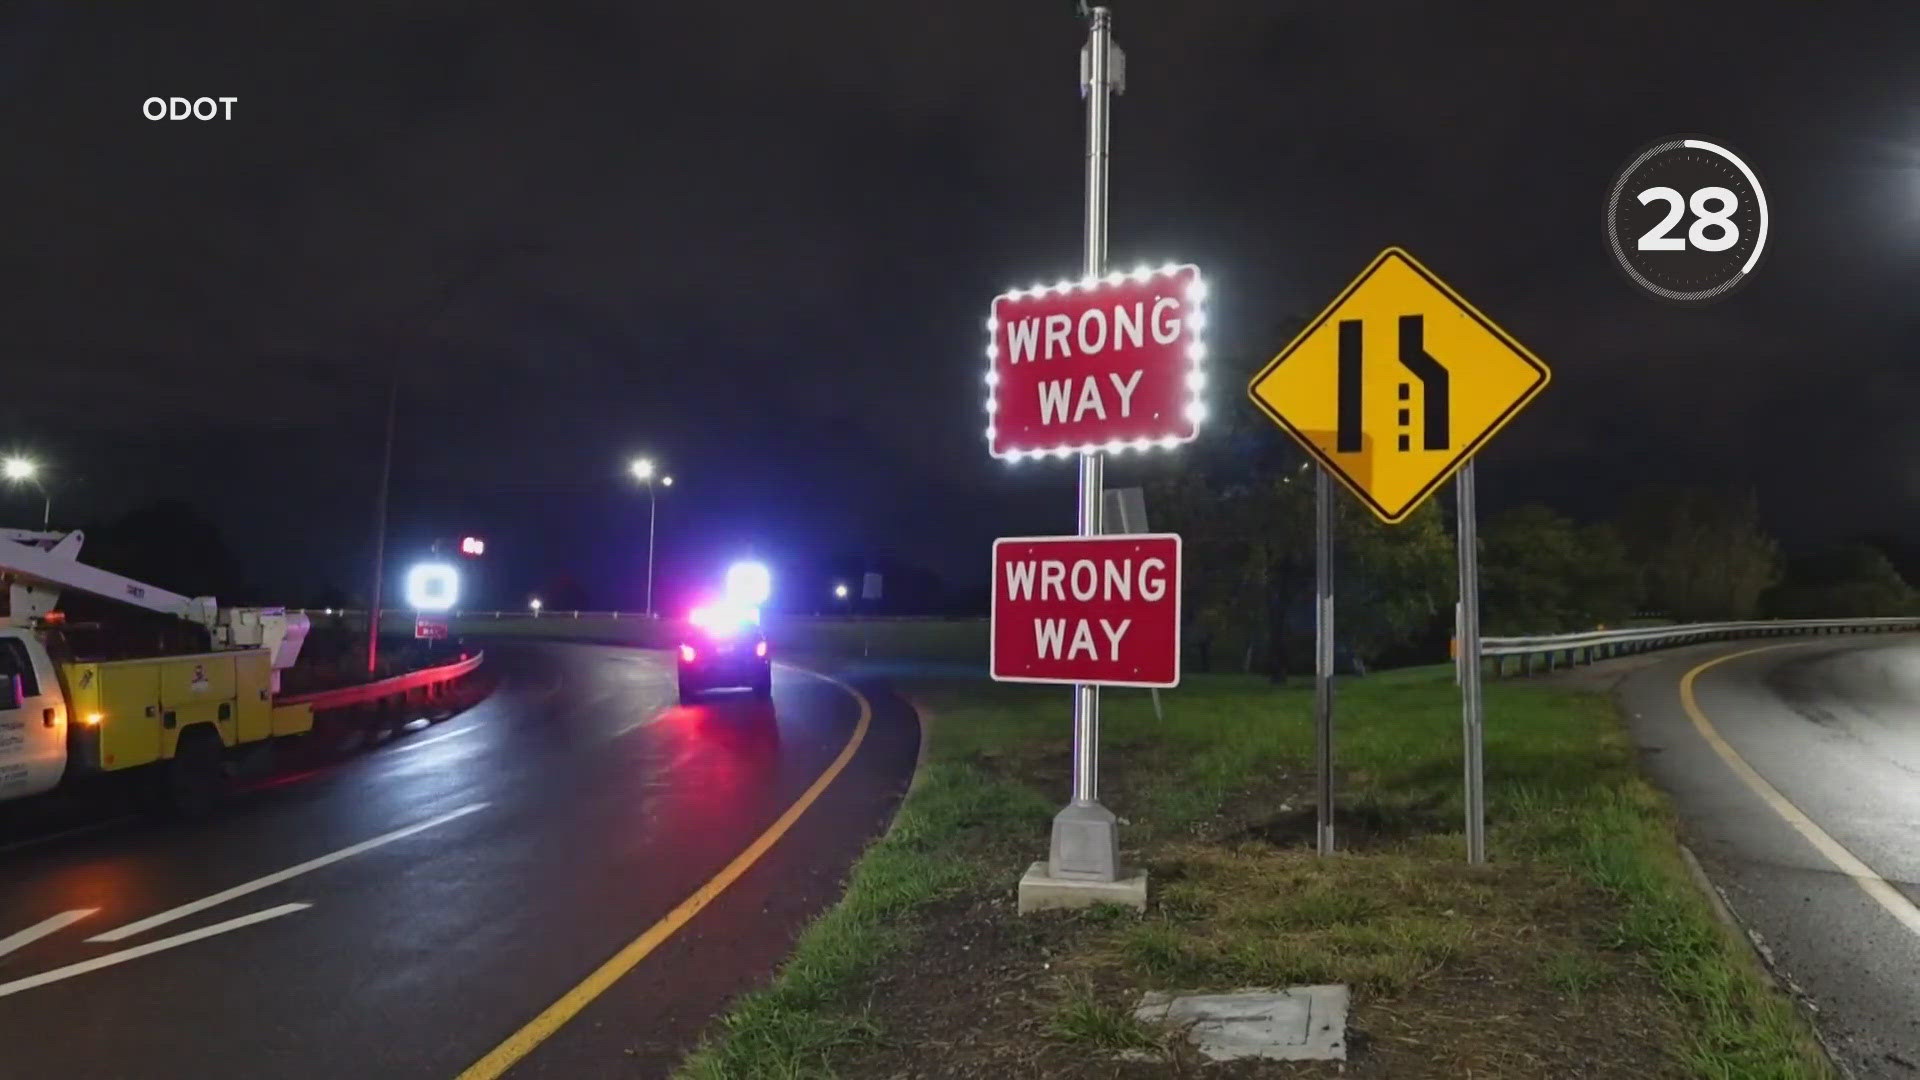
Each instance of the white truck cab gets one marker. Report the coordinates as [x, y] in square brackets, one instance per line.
[33, 717]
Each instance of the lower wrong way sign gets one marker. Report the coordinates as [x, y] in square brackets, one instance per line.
[1103, 610]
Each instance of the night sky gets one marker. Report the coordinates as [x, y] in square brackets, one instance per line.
[758, 242]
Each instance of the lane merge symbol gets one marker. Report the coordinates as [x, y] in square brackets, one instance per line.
[1396, 384]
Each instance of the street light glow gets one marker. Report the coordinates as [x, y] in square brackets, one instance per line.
[19, 468]
[534, 603]
[432, 587]
[666, 481]
[840, 591]
[643, 469]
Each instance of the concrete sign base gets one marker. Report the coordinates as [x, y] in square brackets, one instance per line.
[1041, 892]
[1301, 1023]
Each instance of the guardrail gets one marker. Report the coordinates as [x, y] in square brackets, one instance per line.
[428, 682]
[1594, 645]
[637, 616]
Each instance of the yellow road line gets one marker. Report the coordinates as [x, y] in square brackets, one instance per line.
[1875, 886]
[540, 1028]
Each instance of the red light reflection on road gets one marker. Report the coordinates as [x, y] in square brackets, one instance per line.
[723, 759]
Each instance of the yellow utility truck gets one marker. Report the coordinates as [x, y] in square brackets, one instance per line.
[172, 694]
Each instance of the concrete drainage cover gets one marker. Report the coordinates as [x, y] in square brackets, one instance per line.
[1300, 1023]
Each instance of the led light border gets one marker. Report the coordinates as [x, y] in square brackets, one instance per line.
[1194, 326]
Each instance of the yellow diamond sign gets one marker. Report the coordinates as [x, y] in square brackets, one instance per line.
[1396, 384]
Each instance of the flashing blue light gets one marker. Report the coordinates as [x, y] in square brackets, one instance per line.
[749, 583]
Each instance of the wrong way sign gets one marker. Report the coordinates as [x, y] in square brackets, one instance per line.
[1108, 363]
[1103, 610]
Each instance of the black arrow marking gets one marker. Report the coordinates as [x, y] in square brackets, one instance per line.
[1430, 372]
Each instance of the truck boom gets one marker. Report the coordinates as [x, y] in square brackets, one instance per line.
[37, 566]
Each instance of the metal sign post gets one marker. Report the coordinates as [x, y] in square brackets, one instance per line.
[1469, 666]
[1323, 655]
[1454, 644]
[1085, 842]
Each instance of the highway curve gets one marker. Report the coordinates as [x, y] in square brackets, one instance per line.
[1796, 769]
[457, 882]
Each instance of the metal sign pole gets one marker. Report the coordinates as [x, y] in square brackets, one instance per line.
[1469, 667]
[1454, 645]
[1085, 843]
[1323, 654]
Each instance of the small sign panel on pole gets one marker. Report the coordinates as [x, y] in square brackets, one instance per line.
[870, 586]
[430, 627]
[1103, 610]
[1125, 511]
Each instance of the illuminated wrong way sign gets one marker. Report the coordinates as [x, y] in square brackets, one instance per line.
[1107, 363]
[1396, 384]
[1087, 609]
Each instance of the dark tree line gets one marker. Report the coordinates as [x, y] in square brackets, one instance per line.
[1242, 497]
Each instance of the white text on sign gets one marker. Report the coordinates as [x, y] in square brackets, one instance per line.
[1087, 609]
[1109, 363]
[1110, 579]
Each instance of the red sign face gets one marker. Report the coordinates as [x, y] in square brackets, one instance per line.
[1087, 609]
[428, 627]
[1110, 363]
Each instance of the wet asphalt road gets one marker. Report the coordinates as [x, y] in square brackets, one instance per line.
[1834, 726]
[552, 824]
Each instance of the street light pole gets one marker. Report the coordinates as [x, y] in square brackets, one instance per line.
[46, 501]
[642, 470]
[380, 536]
[652, 512]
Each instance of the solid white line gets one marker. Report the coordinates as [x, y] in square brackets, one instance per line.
[290, 872]
[148, 949]
[436, 739]
[44, 927]
[1889, 898]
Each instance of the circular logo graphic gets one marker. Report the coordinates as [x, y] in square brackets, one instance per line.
[1687, 220]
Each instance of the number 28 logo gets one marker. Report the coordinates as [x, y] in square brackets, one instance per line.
[1665, 185]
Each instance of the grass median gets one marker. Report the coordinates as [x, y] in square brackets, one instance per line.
[1583, 949]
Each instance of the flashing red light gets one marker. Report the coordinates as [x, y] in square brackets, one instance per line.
[472, 545]
[760, 649]
[687, 655]
[722, 618]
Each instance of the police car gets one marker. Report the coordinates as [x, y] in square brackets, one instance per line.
[723, 644]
